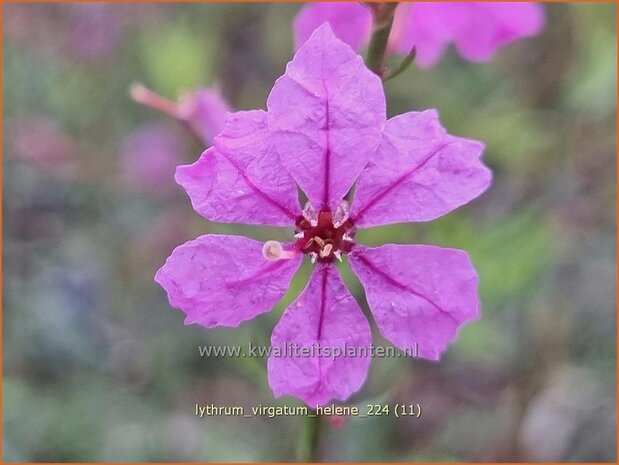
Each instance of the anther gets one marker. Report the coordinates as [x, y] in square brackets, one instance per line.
[320, 241]
[326, 250]
[309, 243]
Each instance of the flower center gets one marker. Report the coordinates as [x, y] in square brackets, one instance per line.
[325, 235]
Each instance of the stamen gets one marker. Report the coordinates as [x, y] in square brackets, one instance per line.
[273, 251]
[320, 241]
[326, 250]
[323, 241]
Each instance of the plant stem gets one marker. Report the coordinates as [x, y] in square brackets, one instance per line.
[404, 64]
[308, 444]
[382, 14]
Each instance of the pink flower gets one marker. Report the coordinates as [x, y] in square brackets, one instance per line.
[477, 29]
[324, 129]
[203, 111]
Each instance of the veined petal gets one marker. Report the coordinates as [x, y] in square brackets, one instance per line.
[327, 114]
[419, 173]
[240, 179]
[419, 294]
[324, 315]
[350, 22]
[220, 280]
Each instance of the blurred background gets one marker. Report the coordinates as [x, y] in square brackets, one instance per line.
[98, 367]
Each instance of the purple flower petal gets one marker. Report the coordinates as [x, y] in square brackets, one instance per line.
[224, 280]
[240, 179]
[324, 314]
[419, 294]
[478, 29]
[350, 22]
[327, 114]
[419, 173]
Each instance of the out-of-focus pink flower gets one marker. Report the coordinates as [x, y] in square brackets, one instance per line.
[149, 157]
[477, 29]
[351, 22]
[204, 110]
[95, 30]
[324, 130]
[42, 143]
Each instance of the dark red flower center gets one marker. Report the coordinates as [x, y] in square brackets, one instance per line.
[324, 240]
